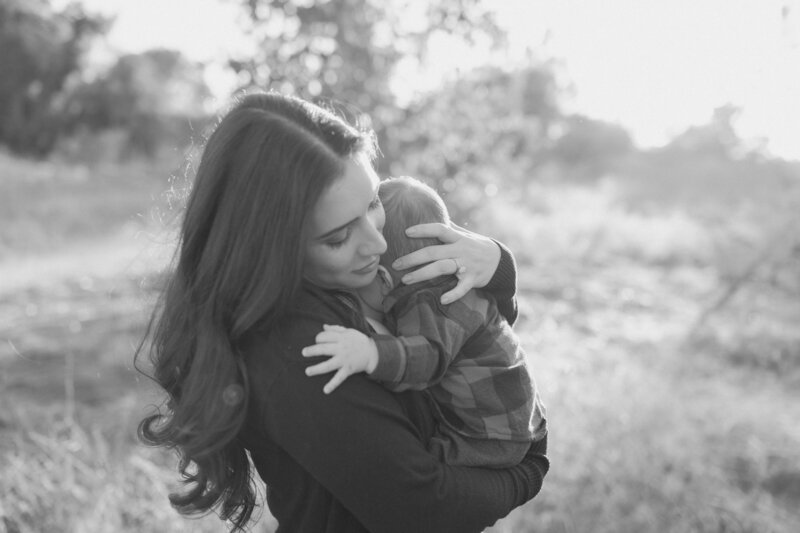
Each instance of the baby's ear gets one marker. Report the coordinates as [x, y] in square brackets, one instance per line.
[385, 278]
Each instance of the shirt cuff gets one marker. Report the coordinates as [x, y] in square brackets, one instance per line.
[504, 279]
[391, 359]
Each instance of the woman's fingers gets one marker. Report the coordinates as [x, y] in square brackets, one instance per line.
[443, 232]
[423, 256]
[432, 270]
[437, 230]
[473, 258]
[456, 292]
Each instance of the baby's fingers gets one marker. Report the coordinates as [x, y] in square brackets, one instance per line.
[329, 335]
[323, 368]
[319, 349]
[336, 380]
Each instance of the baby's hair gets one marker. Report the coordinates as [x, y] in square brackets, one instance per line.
[408, 201]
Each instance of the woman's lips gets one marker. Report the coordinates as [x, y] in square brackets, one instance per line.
[371, 266]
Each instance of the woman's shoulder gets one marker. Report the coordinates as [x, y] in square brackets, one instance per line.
[283, 339]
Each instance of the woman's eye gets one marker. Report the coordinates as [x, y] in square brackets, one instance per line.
[340, 242]
[375, 203]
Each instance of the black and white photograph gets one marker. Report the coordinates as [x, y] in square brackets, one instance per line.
[399, 266]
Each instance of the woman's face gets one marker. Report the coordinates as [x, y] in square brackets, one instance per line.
[345, 240]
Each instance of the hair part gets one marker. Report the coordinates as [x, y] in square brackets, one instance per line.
[238, 265]
[408, 201]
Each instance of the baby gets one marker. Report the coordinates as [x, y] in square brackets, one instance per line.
[465, 353]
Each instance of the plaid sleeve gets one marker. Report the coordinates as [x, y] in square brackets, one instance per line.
[429, 338]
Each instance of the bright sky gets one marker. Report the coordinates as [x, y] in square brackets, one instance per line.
[653, 66]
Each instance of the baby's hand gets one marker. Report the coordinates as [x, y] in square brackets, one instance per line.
[350, 351]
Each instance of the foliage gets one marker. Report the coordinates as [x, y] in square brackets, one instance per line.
[346, 49]
[590, 148]
[483, 133]
[344, 52]
[707, 166]
[489, 130]
[497, 130]
[154, 97]
[47, 101]
[717, 137]
[42, 52]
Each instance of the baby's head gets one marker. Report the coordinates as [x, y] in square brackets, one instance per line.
[407, 202]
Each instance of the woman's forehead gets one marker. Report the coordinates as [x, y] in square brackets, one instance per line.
[347, 198]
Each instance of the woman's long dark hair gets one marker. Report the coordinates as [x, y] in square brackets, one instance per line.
[238, 264]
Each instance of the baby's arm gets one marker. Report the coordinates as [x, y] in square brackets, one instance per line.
[428, 339]
[406, 362]
[350, 351]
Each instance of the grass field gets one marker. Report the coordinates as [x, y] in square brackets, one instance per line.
[665, 341]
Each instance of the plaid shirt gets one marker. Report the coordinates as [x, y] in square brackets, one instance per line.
[466, 354]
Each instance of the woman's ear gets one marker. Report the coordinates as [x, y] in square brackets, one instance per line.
[386, 283]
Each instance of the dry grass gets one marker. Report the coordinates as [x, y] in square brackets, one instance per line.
[651, 431]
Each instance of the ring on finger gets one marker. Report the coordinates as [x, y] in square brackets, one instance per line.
[459, 269]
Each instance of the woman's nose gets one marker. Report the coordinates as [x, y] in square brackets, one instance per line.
[374, 243]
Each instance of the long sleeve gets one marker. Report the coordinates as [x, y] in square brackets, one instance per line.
[428, 337]
[360, 445]
[503, 285]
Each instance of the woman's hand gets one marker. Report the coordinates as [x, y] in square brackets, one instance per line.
[471, 257]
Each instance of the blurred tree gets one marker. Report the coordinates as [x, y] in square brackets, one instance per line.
[709, 167]
[590, 148]
[487, 132]
[41, 53]
[346, 50]
[717, 138]
[153, 96]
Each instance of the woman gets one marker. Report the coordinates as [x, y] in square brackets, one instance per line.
[282, 222]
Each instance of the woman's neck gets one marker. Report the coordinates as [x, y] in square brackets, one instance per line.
[370, 311]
